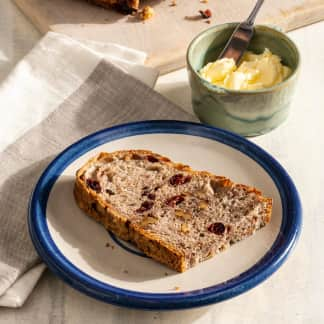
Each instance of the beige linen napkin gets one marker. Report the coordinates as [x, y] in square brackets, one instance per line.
[46, 112]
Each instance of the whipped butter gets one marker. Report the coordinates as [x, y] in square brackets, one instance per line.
[256, 71]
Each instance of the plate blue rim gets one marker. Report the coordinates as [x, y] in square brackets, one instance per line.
[63, 268]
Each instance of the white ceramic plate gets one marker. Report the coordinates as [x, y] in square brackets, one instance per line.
[94, 261]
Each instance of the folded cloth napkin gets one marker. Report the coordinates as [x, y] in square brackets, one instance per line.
[60, 92]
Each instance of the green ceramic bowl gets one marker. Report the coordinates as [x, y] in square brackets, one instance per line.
[249, 112]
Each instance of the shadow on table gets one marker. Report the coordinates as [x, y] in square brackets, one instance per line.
[17, 37]
[52, 301]
[84, 242]
[17, 249]
[179, 93]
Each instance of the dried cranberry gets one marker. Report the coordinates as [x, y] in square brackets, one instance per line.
[205, 13]
[94, 185]
[146, 205]
[176, 179]
[217, 228]
[152, 159]
[175, 200]
[179, 179]
[151, 196]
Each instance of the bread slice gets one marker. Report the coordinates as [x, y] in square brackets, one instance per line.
[175, 215]
[124, 6]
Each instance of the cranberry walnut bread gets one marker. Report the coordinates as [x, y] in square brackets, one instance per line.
[175, 215]
[124, 6]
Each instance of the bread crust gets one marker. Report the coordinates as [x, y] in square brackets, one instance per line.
[123, 6]
[103, 212]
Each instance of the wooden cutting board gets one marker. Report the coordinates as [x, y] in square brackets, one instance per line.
[165, 37]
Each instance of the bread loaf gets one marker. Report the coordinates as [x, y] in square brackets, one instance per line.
[124, 6]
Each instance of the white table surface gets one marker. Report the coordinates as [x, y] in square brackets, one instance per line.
[294, 294]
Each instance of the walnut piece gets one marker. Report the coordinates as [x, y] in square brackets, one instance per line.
[182, 214]
[148, 220]
[184, 228]
[203, 205]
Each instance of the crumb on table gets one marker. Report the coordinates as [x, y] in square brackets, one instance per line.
[176, 288]
[193, 18]
[205, 14]
[110, 245]
[146, 13]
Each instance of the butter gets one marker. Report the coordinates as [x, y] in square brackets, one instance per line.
[256, 71]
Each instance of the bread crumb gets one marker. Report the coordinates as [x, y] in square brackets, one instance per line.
[166, 274]
[146, 13]
[173, 3]
[176, 288]
[208, 21]
[204, 1]
[125, 271]
[110, 245]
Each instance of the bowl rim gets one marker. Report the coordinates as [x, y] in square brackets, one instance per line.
[219, 89]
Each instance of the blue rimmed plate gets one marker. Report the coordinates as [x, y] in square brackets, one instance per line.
[95, 262]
